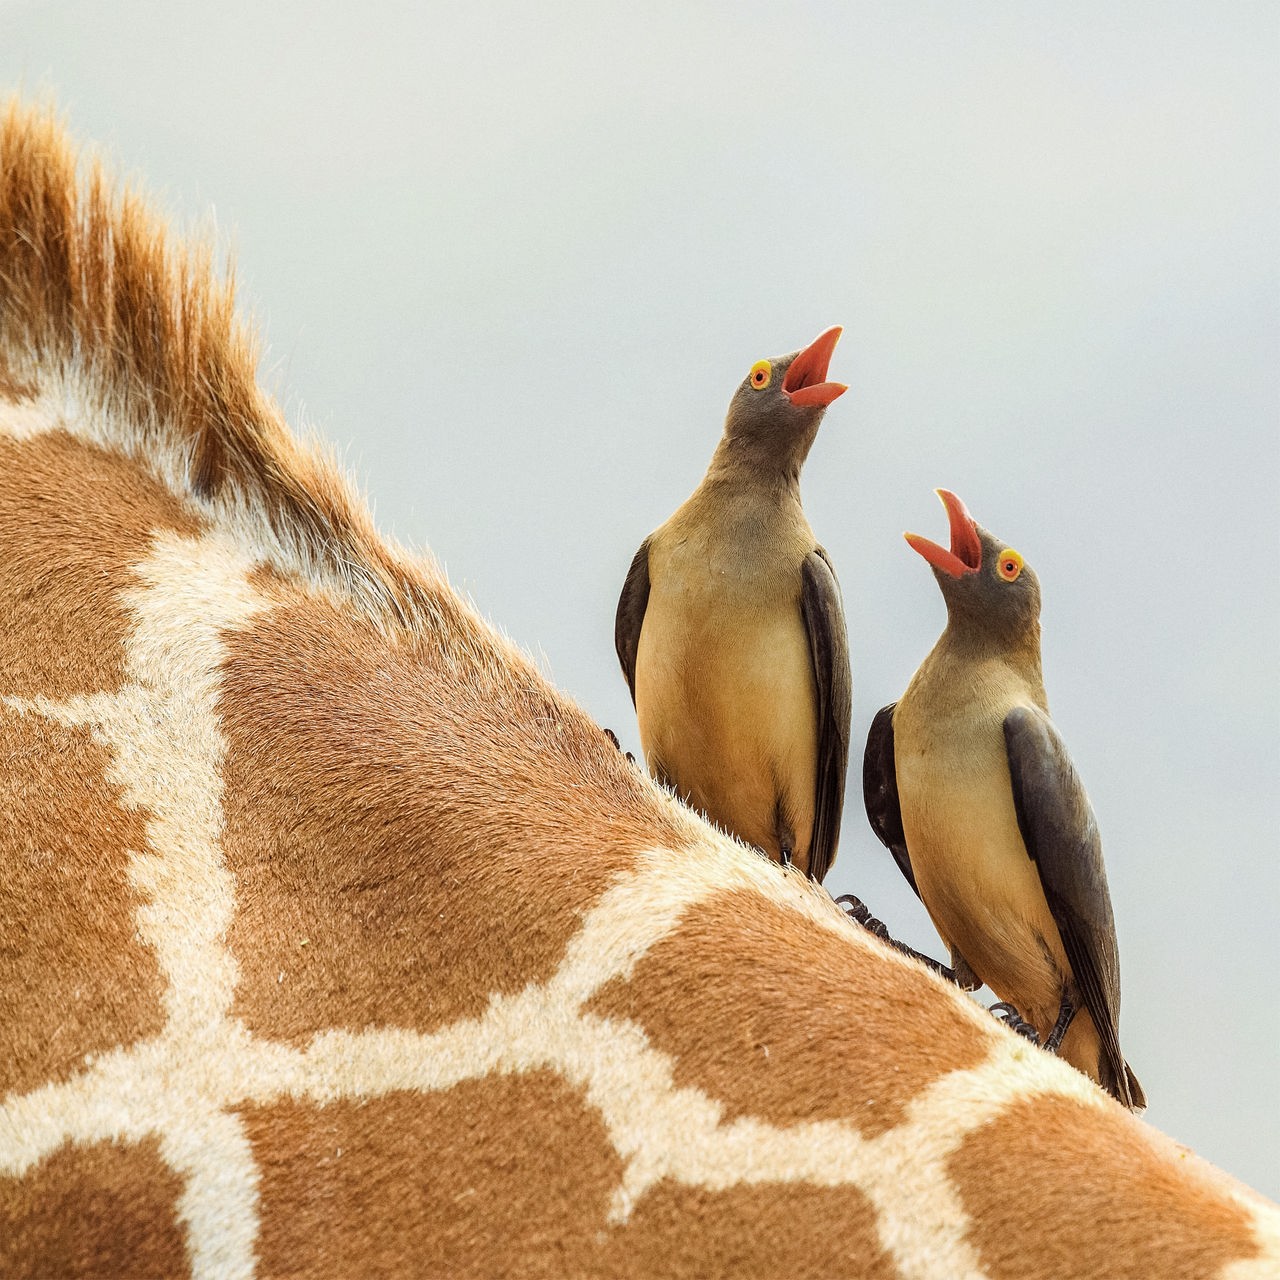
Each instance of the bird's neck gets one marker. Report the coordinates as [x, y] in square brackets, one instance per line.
[750, 515]
[961, 644]
[744, 463]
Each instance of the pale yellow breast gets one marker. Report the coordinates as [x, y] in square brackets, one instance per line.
[724, 684]
[980, 887]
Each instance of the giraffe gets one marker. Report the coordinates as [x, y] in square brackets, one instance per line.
[335, 942]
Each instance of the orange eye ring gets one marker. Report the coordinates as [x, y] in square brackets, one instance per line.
[1009, 565]
[761, 374]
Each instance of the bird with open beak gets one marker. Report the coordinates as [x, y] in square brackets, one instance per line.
[968, 784]
[730, 629]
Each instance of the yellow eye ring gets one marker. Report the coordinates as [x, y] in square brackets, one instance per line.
[1009, 565]
[761, 374]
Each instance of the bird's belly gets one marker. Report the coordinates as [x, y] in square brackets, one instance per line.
[981, 889]
[727, 713]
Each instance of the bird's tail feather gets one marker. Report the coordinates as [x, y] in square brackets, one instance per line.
[1137, 1098]
[1124, 1088]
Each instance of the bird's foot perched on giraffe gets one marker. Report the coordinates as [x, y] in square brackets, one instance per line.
[613, 738]
[858, 911]
[1004, 1012]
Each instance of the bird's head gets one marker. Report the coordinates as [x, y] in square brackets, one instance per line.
[992, 594]
[774, 413]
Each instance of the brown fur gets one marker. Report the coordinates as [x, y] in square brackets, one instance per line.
[512, 870]
[97, 1212]
[86, 518]
[14, 391]
[742, 1011]
[1142, 1212]
[745, 1232]
[67, 989]
[365, 1189]
[302, 734]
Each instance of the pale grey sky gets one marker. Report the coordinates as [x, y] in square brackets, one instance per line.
[514, 259]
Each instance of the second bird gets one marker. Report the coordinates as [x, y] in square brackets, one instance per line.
[731, 632]
[969, 785]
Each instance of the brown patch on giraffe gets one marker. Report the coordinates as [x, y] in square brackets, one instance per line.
[509, 1175]
[769, 1229]
[399, 854]
[1053, 1187]
[94, 1211]
[74, 979]
[74, 520]
[475, 1181]
[778, 1017]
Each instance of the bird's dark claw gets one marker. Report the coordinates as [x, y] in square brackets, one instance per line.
[860, 913]
[613, 737]
[1006, 1013]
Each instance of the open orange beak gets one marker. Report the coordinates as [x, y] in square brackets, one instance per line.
[806, 381]
[965, 555]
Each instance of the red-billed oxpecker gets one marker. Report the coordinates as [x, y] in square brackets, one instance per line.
[968, 784]
[731, 633]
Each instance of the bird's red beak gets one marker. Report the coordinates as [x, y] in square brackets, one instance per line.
[806, 381]
[965, 555]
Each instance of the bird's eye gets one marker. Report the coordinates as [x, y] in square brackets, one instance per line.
[1009, 565]
[761, 373]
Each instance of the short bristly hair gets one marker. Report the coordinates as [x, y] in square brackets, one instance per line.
[101, 305]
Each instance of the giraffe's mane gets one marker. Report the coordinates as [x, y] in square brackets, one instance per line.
[108, 316]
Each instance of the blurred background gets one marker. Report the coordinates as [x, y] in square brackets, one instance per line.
[513, 260]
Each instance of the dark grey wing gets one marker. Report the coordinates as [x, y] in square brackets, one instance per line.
[880, 792]
[630, 616]
[1061, 835]
[829, 648]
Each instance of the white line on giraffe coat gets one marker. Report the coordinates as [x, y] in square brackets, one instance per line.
[166, 749]
[25, 420]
